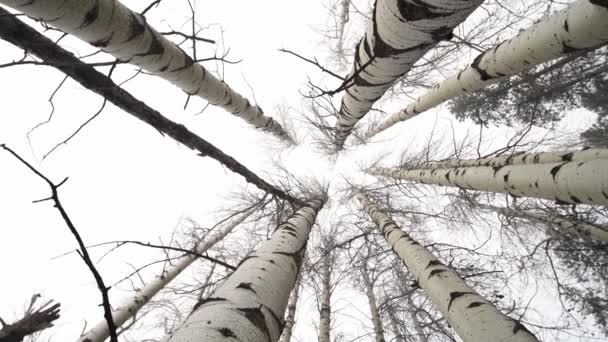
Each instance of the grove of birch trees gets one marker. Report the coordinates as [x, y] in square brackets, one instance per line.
[332, 170]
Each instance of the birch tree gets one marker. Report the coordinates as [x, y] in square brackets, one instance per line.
[290, 320]
[567, 181]
[582, 25]
[130, 307]
[250, 304]
[470, 315]
[399, 34]
[373, 303]
[126, 35]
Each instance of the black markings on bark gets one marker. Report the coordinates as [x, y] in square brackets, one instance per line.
[566, 26]
[575, 199]
[482, 73]
[103, 42]
[295, 256]
[603, 3]
[205, 301]
[506, 178]
[520, 327]
[226, 332]
[245, 259]
[188, 62]
[246, 286]
[555, 170]
[567, 157]
[434, 273]
[567, 48]
[156, 46]
[433, 263]
[605, 194]
[412, 10]
[136, 28]
[456, 295]
[475, 304]
[91, 15]
[257, 318]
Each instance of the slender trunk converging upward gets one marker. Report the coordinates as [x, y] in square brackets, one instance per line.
[129, 308]
[290, 320]
[250, 304]
[325, 312]
[564, 224]
[124, 34]
[395, 325]
[582, 25]
[400, 33]
[19, 34]
[417, 325]
[373, 305]
[567, 181]
[473, 317]
[584, 155]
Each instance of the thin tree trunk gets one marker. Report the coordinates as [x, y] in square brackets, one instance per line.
[23, 36]
[473, 317]
[565, 182]
[400, 33]
[563, 223]
[250, 304]
[582, 25]
[395, 325]
[373, 306]
[124, 34]
[325, 314]
[290, 321]
[130, 307]
[417, 325]
[518, 159]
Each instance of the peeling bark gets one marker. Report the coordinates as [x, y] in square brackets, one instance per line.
[130, 307]
[582, 25]
[21, 35]
[472, 317]
[565, 182]
[124, 34]
[400, 33]
[255, 312]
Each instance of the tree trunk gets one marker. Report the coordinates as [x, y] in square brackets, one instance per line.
[325, 315]
[124, 34]
[250, 304]
[19, 34]
[563, 223]
[400, 33]
[473, 317]
[582, 25]
[290, 321]
[395, 325]
[565, 182]
[373, 306]
[129, 308]
[417, 325]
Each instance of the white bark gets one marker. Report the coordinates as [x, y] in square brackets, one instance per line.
[582, 25]
[325, 314]
[373, 306]
[131, 306]
[518, 159]
[473, 317]
[290, 320]
[565, 182]
[400, 33]
[124, 34]
[250, 304]
[563, 223]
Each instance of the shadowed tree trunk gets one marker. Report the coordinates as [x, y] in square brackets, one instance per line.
[400, 33]
[23, 36]
[290, 321]
[124, 34]
[567, 181]
[250, 304]
[582, 25]
[325, 314]
[472, 317]
[373, 306]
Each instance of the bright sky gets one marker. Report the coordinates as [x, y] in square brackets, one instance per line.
[128, 182]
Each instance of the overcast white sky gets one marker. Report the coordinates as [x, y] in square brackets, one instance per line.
[128, 182]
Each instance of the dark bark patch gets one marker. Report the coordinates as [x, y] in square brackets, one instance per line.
[156, 46]
[484, 75]
[520, 327]
[91, 15]
[246, 286]
[475, 305]
[207, 300]
[434, 273]
[256, 317]
[575, 199]
[103, 42]
[296, 257]
[566, 26]
[602, 3]
[226, 332]
[433, 263]
[135, 27]
[245, 259]
[567, 157]
[412, 10]
[567, 48]
[555, 170]
[455, 295]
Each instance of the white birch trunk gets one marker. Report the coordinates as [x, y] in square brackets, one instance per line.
[325, 314]
[130, 307]
[473, 317]
[400, 33]
[373, 306]
[124, 34]
[582, 25]
[290, 321]
[566, 182]
[518, 159]
[250, 304]
[563, 223]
